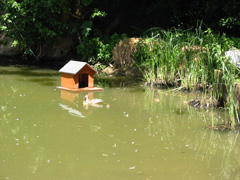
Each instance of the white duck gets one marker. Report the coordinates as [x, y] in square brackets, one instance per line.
[92, 102]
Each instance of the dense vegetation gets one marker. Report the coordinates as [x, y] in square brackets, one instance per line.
[33, 24]
[96, 26]
[164, 56]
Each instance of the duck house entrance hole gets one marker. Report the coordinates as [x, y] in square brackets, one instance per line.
[83, 80]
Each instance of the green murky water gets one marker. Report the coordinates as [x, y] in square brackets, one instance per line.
[47, 134]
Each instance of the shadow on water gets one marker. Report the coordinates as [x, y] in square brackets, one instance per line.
[43, 76]
[44, 81]
[27, 71]
[117, 81]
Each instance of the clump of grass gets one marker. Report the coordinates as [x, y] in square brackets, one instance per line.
[192, 60]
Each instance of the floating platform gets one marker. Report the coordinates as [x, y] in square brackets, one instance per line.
[85, 89]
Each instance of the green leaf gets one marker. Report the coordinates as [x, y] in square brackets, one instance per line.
[86, 28]
[2, 28]
[15, 43]
[87, 2]
[98, 13]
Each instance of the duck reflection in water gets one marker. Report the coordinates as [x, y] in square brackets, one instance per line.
[91, 102]
[72, 111]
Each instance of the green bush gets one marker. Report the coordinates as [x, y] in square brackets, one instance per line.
[33, 22]
[98, 49]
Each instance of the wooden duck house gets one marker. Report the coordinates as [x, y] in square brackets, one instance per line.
[78, 76]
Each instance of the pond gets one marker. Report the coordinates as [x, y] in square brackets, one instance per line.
[136, 133]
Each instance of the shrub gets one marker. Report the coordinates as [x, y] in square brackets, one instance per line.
[98, 49]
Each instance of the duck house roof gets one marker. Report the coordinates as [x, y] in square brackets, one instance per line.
[73, 67]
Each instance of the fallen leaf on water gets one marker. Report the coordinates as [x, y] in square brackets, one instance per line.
[105, 155]
[115, 145]
[107, 106]
[132, 167]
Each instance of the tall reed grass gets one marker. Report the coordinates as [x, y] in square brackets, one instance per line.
[191, 60]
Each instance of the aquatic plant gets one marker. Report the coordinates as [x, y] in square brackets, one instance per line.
[192, 60]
